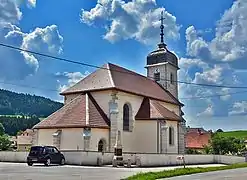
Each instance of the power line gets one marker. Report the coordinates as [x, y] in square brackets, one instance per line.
[184, 98]
[210, 96]
[98, 67]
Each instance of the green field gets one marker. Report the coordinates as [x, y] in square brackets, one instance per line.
[19, 116]
[237, 134]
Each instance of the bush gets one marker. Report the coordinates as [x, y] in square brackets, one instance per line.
[5, 143]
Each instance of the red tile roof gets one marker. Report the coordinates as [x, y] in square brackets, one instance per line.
[111, 76]
[152, 109]
[73, 114]
[196, 138]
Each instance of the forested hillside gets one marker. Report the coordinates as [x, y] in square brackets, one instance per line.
[14, 124]
[12, 103]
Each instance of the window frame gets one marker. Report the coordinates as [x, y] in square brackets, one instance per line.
[171, 136]
[126, 117]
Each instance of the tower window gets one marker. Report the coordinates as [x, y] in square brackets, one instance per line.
[157, 76]
[171, 79]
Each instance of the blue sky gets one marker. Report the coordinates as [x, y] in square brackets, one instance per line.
[209, 37]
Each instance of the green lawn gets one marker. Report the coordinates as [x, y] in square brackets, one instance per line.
[237, 134]
[182, 171]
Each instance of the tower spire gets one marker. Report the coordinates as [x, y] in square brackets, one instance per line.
[162, 44]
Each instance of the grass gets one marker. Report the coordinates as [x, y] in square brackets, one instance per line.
[182, 171]
[237, 134]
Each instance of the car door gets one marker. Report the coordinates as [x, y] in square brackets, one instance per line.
[50, 152]
[56, 155]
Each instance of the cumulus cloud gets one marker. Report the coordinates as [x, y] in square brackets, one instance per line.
[207, 112]
[17, 65]
[71, 78]
[9, 13]
[229, 43]
[136, 19]
[216, 61]
[239, 108]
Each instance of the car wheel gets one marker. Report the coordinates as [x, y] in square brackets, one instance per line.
[29, 164]
[48, 162]
[62, 162]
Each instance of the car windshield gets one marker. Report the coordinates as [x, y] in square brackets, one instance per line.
[36, 150]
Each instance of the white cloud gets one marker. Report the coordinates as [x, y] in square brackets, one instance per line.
[9, 13]
[229, 43]
[31, 3]
[136, 19]
[207, 112]
[15, 64]
[41, 40]
[71, 79]
[239, 108]
[195, 44]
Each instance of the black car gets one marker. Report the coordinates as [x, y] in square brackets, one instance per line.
[46, 155]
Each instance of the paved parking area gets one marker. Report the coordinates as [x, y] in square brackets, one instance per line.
[20, 171]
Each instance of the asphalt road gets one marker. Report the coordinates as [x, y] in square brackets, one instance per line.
[20, 171]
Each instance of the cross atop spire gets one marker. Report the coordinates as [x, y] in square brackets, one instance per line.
[162, 45]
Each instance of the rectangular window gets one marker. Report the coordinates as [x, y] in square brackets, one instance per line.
[157, 76]
[171, 79]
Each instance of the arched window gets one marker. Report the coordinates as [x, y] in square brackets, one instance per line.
[102, 145]
[171, 136]
[171, 78]
[126, 117]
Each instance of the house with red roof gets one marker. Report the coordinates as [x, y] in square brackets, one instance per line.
[145, 110]
[197, 138]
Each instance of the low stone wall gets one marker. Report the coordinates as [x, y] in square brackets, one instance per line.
[145, 160]
[9, 156]
[87, 158]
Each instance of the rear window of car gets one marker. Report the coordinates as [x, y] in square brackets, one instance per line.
[36, 150]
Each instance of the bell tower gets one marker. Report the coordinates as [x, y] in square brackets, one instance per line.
[162, 65]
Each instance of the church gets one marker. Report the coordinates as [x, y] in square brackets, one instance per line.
[145, 110]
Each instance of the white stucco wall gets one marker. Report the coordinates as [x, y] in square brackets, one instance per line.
[144, 132]
[143, 138]
[72, 139]
[103, 98]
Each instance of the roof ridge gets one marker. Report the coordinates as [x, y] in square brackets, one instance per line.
[129, 71]
[110, 74]
[64, 106]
